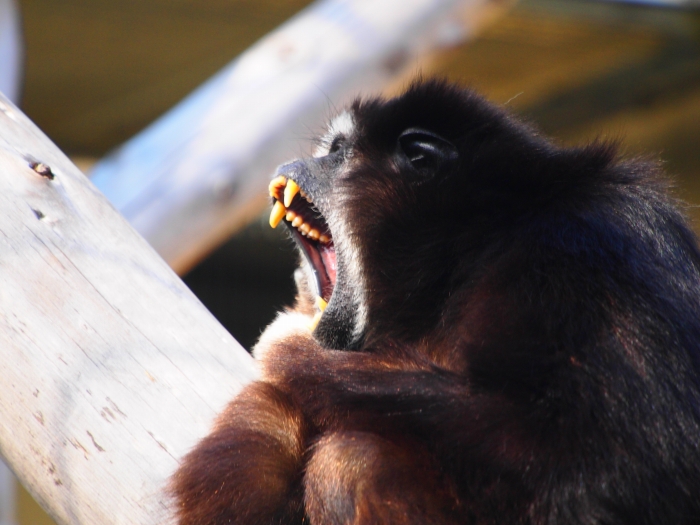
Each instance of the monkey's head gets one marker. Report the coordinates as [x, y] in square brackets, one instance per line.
[401, 202]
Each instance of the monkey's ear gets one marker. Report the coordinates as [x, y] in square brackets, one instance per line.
[427, 153]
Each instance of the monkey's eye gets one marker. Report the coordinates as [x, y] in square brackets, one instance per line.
[427, 152]
[336, 144]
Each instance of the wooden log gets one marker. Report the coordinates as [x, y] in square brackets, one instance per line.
[11, 51]
[193, 176]
[111, 368]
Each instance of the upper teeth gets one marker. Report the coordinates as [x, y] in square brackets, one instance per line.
[278, 211]
[276, 185]
[283, 200]
[290, 191]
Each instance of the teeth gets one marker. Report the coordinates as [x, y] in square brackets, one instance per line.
[284, 200]
[276, 184]
[314, 321]
[290, 192]
[321, 305]
[278, 212]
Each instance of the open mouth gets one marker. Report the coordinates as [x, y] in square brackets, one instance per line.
[296, 208]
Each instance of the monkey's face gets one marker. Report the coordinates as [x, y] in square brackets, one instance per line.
[308, 195]
[384, 212]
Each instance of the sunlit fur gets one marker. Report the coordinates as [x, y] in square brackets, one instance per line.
[528, 352]
[342, 125]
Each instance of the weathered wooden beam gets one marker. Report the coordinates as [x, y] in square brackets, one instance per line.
[11, 54]
[193, 176]
[112, 369]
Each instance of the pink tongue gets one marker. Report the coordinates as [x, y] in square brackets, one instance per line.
[328, 257]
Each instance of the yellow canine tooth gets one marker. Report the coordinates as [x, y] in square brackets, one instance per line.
[276, 184]
[278, 212]
[321, 303]
[290, 192]
[314, 321]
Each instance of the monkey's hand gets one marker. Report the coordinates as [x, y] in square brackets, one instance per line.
[287, 331]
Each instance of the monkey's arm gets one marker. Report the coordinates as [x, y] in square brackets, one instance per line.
[248, 470]
[335, 385]
[361, 478]
[374, 416]
[379, 418]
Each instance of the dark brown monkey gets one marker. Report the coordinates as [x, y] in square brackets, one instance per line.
[512, 335]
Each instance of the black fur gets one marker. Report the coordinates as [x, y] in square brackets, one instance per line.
[531, 347]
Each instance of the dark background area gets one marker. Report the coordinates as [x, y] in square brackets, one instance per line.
[246, 281]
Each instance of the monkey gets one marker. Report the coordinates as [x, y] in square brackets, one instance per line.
[491, 328]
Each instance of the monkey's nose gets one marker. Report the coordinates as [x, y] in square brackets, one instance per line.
[295, 170]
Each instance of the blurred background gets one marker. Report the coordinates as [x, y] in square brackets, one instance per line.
[98, 71]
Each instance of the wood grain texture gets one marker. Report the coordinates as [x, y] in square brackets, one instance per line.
[111, 368]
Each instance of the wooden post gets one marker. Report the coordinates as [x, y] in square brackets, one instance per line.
[111, 368]
[193, 176]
